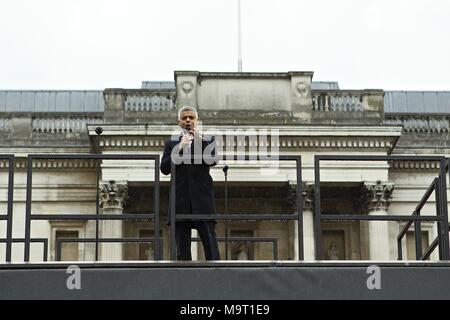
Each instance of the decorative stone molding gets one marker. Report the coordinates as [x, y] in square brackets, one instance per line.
[340, 101]
[420, 123]
[287, 138]
[302, 88]
[187, 87]
[307, 193]
[151, 101]
[308, 196]
[113, 194]
[52, 164]
[288, 142]
[414, 165]
[63, 124]
[377, 195]
[131, 142]
[5, 124]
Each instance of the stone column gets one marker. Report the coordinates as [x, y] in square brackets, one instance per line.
[112, 199]
[376, 197]
[308, 220]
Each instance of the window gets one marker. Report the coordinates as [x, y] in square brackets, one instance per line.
[69, 250]
[411, 244]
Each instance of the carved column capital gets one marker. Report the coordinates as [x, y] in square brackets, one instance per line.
[307, 193]
[113, 195]
[377, 195]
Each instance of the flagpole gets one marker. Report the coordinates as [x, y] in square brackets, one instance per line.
[239, 37]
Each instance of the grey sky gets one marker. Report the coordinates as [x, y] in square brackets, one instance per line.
[97, 44]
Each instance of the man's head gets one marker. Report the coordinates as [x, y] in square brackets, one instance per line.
[187, 117]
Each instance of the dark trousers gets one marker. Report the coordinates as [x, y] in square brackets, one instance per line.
[206, 231]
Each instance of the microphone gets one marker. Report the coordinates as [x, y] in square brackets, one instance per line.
[225, 169]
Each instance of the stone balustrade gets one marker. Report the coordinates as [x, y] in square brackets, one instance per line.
[63, 124]
[420, 123]
[338, 100]
[5, 123]
[150, 100]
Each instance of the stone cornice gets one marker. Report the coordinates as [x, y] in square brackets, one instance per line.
[414, 165]
[378, 138]
[382, 144]
[21, 163]
[298, 131]
[242, 75]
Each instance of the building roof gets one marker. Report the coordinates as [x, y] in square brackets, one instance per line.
[51, 101]
[408, 102]
[399, 102]
[158, 85]
[324, 85]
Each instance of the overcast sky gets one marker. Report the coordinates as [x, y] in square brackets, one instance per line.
[97, 44]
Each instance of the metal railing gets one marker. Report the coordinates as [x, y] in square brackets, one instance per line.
[439, 184]
[434, 187]
[60, 241]
[9, 211]
[273, 241]
[44, 241]
[435, 242]
[85, 217]
[240, 216]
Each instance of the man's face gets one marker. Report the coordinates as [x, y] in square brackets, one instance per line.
[188, 120]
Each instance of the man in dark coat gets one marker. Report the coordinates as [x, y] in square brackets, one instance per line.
[193, 155]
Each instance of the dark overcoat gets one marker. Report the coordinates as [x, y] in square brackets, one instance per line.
[194, 185]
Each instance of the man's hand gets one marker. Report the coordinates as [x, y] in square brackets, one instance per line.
[186, 140]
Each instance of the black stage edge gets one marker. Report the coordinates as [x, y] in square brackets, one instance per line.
[259, 281]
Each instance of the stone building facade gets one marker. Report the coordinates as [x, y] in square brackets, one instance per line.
[301, 117]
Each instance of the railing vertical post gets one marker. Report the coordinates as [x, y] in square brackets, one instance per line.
[173, 246]
[11, 164]
[399, 249]
[301, 254]
[98, 131]
[418, 237]
[444, 209]
[58, 249]
[26, 257]
[97, 211]
[317, 214]
[326, 105]
[157, 255]
[226, 211]
[45, 250]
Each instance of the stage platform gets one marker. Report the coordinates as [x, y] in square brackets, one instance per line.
[231, 280]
